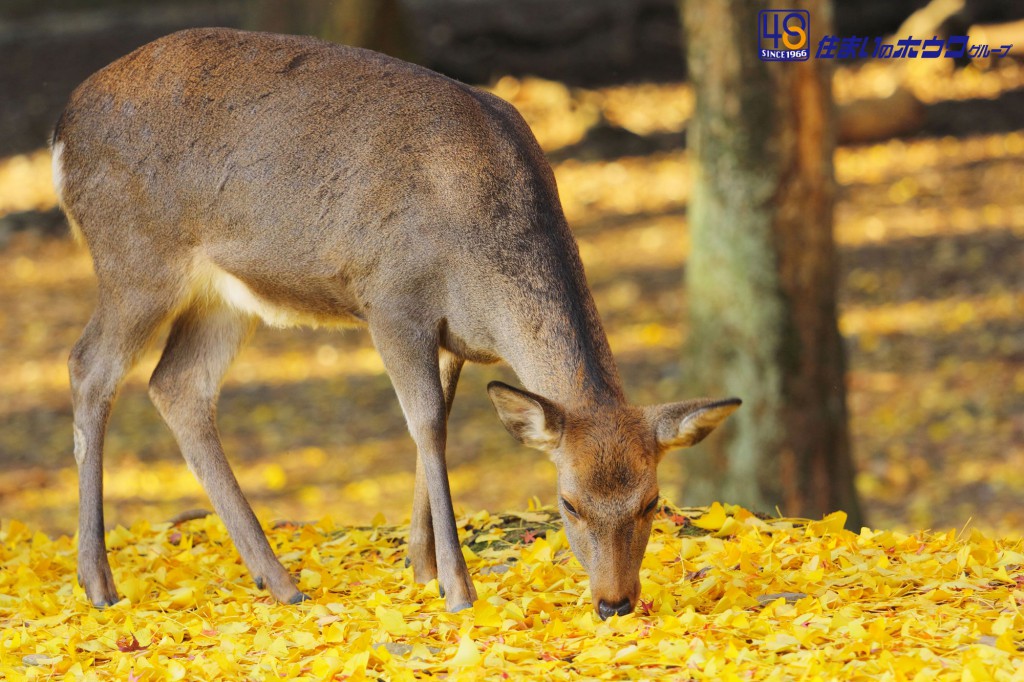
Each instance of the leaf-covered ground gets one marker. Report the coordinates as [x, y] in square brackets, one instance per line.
[726, 596]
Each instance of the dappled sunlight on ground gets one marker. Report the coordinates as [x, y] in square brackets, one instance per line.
[932, 306]
[603, 190]
[25, 183]
[931, 80]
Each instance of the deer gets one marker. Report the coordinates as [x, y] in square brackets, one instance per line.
[220, 177]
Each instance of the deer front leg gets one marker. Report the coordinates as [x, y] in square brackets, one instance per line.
[452, 573]
[422, 554]
[411, 362]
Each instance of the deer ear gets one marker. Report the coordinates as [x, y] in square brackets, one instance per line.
[680, 425]
[531, 419]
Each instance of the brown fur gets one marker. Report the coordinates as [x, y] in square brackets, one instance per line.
[607, 459]
[217, 176]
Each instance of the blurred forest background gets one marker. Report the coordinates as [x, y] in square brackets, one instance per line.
[929, 223]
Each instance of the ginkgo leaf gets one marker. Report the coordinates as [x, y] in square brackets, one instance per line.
[467, 655]
[712, 519]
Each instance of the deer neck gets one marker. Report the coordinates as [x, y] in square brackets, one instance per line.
[564, 356]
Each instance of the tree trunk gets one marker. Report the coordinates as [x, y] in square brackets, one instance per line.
[762, 271]
[374, 24]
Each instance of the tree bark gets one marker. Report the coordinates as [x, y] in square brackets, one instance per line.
[762, 271]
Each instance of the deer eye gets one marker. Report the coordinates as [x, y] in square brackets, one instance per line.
[569, 508]
[651, 505]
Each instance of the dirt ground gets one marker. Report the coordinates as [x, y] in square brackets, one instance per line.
[930, 229]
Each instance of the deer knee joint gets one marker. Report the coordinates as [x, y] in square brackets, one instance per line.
[159, 393]
[76, 365]
[164, 393]
[429, 427]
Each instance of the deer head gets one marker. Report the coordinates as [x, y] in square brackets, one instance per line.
[607, 462]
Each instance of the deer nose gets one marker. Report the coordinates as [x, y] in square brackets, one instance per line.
[620, 608]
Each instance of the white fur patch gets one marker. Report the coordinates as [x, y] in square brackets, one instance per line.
[211, 281]
[79, 440]
[58, 169]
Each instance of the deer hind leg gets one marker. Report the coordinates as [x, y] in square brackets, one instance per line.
[422, 555]
[203, 341]
[117, 333]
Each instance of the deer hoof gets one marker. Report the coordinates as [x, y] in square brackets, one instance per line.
[460, 607]
[99, 588]
[102, 595]
[105, 602]
[104, 599]
[299, 597]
